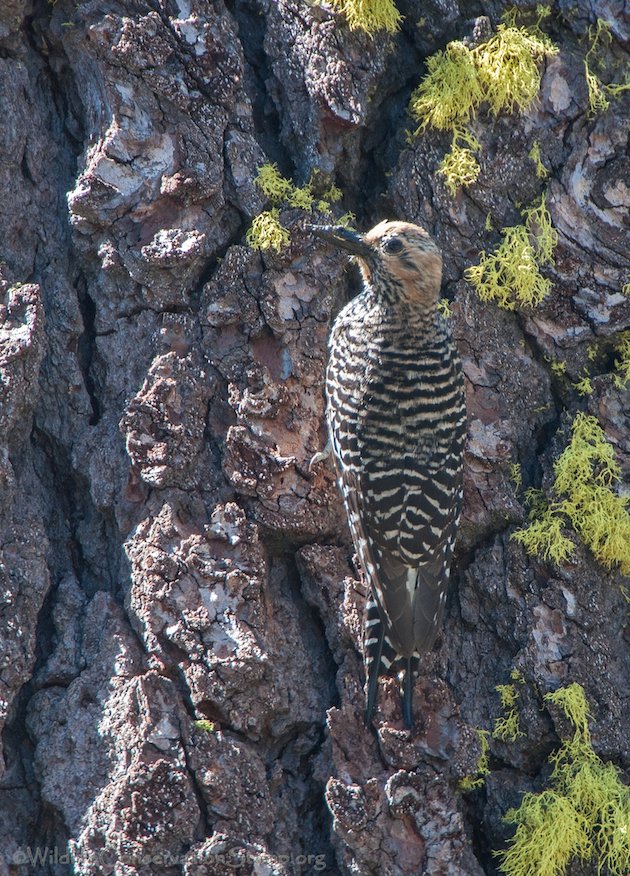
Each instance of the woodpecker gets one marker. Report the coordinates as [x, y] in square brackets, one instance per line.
[396, 419]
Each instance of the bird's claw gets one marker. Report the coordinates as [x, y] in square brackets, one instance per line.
[321, 456]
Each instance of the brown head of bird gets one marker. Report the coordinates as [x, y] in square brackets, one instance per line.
[397, 253]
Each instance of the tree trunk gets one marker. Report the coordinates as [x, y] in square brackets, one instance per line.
[181, 625]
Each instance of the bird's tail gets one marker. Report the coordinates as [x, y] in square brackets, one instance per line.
[381, 658]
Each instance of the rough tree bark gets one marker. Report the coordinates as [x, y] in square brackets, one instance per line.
[167, 556]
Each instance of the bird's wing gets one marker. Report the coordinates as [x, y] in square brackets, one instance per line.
[408, 506]
[385, 574]
[407, 587]
[429, 602]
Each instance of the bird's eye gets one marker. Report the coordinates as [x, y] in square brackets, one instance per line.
[393, 245]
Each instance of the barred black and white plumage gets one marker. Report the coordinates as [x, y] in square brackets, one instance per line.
[396, 417]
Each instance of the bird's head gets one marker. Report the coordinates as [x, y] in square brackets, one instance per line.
[398, 251]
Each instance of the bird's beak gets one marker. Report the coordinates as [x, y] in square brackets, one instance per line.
[344, 238]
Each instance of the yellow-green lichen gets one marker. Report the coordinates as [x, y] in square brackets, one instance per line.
[444, 307]
[502, 72]
[282, 191]
[622, 362]
[615, 89]
[510, 276]
[584, 475]
[592, 351]
[272, 184]
[583, 816]
[597, 100]
[451, 92]
[332, 195]
[584, 385]
[538, 222]
[598, 91]
[534, 154]
[513, 14]
[205, 725]
[516, 475]
[470, 783]
[545, 537]
[348, 219]
[585, 472]
[267, 232]
[370, 16]
[509, 67]
[507, 726]
[559, 367]
[459, 167]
